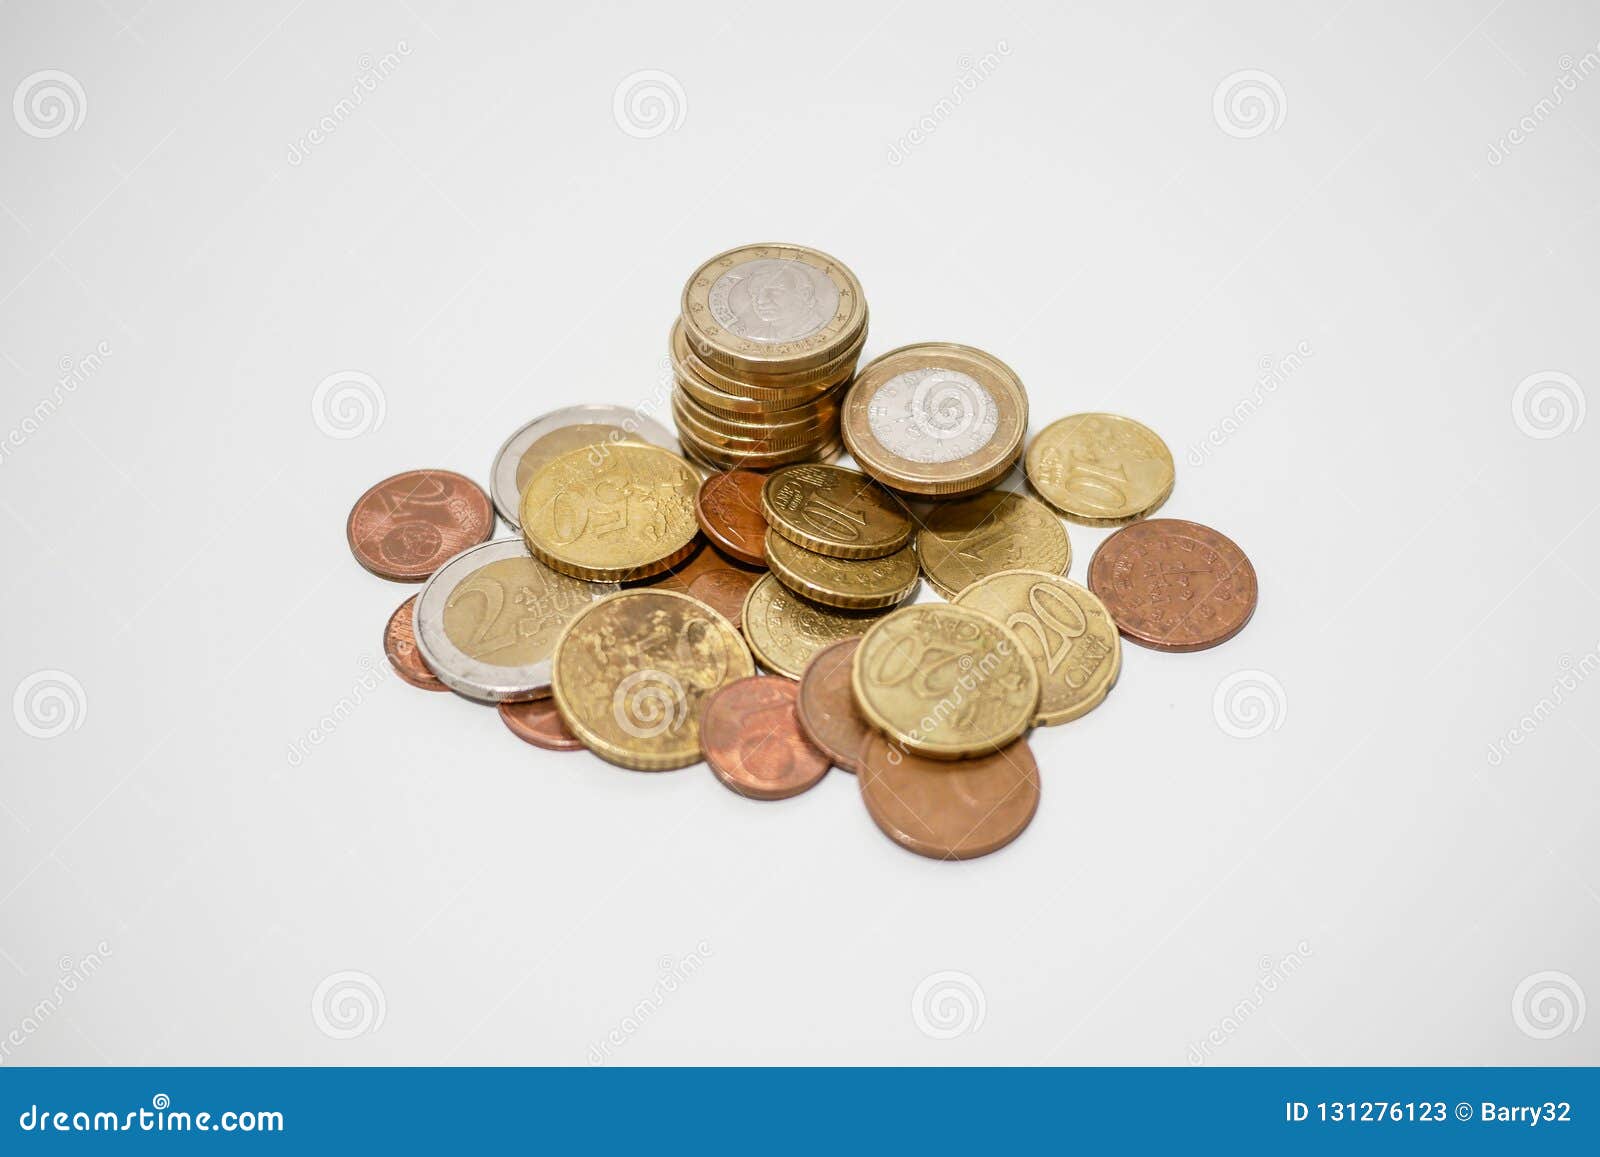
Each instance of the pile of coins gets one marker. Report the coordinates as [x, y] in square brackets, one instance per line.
[767, 339]
[649, 578]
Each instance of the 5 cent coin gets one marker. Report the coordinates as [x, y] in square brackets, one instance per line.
[827, 706]
[400, 646]
[1174, 585]
[728, 508]
[949, 810]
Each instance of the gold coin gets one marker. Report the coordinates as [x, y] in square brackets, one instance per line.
[936, 419]
[834, 511]
[1066, 630]
[961, 542]
[717, 458]
[851, 583]
[785, 630]
[737, 406]
[772, 308]
[945, 681]
[1100, 469]
[608, 513]
[772, 423]
[631, 673]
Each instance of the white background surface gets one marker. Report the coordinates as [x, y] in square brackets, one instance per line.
[482, 238]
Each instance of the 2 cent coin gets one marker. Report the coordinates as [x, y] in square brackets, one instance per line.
[408, 526]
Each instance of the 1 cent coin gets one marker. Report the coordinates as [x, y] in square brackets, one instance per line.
[1174, 585]
[400, 645]
[827, 706]
[408, 526]
[728, 508]
[949, 810]
[539, 723]
[751, 737]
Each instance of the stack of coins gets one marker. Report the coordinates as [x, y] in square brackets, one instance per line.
[628, 612]
[767, 339]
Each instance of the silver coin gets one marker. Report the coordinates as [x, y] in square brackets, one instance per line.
[557, 432]
[488, 620]
[769, 300]
[933, 414]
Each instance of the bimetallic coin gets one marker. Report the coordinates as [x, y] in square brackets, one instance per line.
[728, 508]
[936, 419]
[539, 722]
[752, 739]
[785, 630]
[763, 308]
[1066, 630]
[961, 542]
[827, 705]
[632, 672]
[406, 527]
[400, 646]
[1174, 585]
[610, 513]
[949, 810]
[1100, 469]
[488, 621]
[559, 432]
[834, 511]
[858, 584]
[945, 681]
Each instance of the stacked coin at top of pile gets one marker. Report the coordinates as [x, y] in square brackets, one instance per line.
[767, 340]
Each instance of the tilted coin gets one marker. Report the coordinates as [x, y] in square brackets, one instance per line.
[1174, 585]
[945, 681]
[827, 705]
[771, 307]
[407, 526]
[539, 722]
[1066, 630]
[610, 513]
[949, 810]
[488, 621]
[400, 647]
[728, 508]
[546, 438]
[1100, 469]
[752, 739]
[632, 672]
[936, 419]
[785, 630]
[961, 542]
[834, 511]
[858, 584]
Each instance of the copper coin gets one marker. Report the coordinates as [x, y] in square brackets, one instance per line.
[539, 723]
[827, 706]
[1174, 585]
[400, 645]
[751, 738]
[949, 809]
[408, 526]
[714, 580]
[728, 508]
